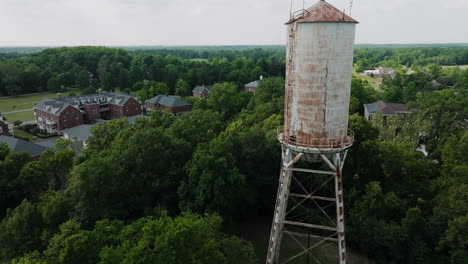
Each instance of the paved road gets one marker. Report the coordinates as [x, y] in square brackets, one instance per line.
[17, 111]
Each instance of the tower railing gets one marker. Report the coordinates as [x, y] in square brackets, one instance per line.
[317, 144]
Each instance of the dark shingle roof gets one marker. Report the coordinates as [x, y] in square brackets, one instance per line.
[385, 108]
[167, 100]
[57, 105]
[252, 84]
[51, 106]
[200, 89]
[18, 145]
[82, 132]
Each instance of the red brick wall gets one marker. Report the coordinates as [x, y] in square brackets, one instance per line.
[70, 117]
[4, 130]
[131, 107]
[203, 94]
[149, 105]
[46, 115]
[115, 111]
[249, 89]
[90, 115]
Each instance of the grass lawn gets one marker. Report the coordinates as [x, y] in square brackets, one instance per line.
[463, 67]
[23, 134]
[25, 102]
[199, 59]
[372, 81]
[22, 116]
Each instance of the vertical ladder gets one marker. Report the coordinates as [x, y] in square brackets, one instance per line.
[280, 209]
[338, 164]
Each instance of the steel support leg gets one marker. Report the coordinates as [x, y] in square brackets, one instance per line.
[285, 218]
[339, 208]
[280, 209]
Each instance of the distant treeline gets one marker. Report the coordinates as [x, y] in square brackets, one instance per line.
[110, 68]
[234, 47]
[54, 69]
[368, 58]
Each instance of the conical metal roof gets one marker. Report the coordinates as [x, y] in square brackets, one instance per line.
[322, 11]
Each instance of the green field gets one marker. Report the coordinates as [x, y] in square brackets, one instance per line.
[24, 102]
[23, 134]
[373, 82]
[22, 116]
[463, 67]
[199, 60]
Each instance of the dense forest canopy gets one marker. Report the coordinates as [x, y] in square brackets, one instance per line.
[54, 69]
[148, 192]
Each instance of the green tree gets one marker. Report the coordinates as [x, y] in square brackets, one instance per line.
[434, 70]
[186, 239]
[65, 79]
[446, 111]
[182, 88]
[269, 88]
[82, 79]
[214, 183]
[20, 231]
[135, 75]
[29, 258]
[53, 85]
[102, 135]
[226, 99]
[455, 239]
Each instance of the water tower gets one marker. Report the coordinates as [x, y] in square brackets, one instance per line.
[315, 136]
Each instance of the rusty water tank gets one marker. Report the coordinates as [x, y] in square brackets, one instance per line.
[319, 60]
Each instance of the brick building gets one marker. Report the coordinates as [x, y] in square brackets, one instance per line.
[3, 127]
[167, 102]
[202, 91]
[252, 86]
[380, 72]
[386, 109]
[19, 145]
[54, 115]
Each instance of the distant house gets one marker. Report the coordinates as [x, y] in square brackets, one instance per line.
[83, 132]
[55, 115]
[380, 72]
[252, 86]
[435, 84]
[386, 109]
[4, 127]
[202, 91]
[167, 102]
[19, 145]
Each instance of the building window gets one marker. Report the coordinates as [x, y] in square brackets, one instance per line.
[76, 116]
[64, 118]
[94, 111]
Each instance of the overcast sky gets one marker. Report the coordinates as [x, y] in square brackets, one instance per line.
[217, 22]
